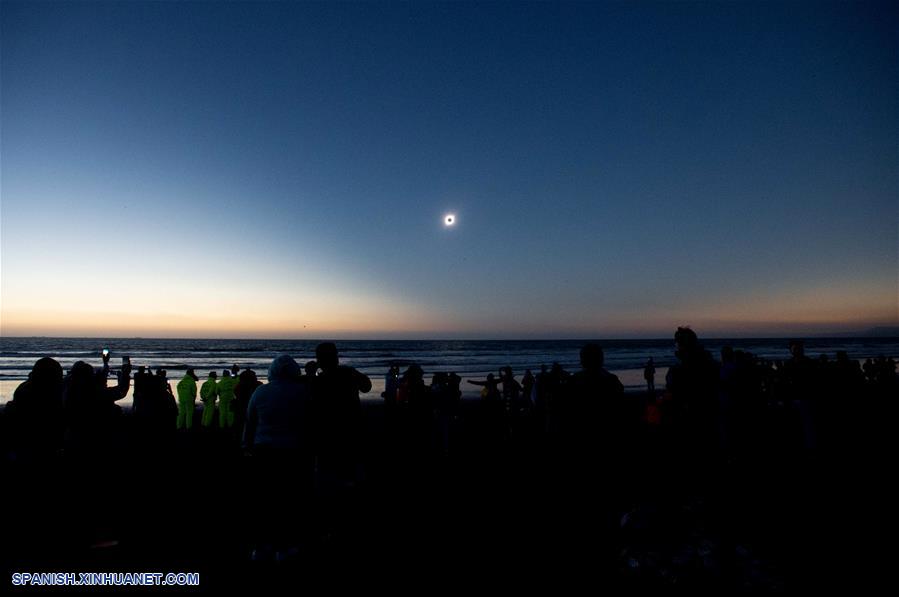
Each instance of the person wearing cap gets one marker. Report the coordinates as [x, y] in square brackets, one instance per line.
[187, 400]
[208, 393]
[226, 395]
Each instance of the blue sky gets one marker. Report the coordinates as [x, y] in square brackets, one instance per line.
[282, 169]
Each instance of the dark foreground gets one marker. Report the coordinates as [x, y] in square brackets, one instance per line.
[515, 509]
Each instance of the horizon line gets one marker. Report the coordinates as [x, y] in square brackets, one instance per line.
[892, 334]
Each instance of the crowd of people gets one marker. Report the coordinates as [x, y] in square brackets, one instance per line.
[306, 433]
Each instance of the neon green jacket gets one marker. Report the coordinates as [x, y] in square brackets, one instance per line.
[187, 389]
[226, 388]
[209, 391]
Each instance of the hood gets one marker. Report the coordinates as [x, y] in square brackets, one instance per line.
[284, 367]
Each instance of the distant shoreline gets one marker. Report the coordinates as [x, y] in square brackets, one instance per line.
[873, 333]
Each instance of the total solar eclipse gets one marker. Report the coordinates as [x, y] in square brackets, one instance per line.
[449, 219]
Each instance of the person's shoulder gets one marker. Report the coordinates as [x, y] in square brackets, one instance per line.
[610, 378]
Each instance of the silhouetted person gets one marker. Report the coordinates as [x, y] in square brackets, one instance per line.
[802, 379]
[492, 411]
[156, 422]
[511, 390]
[143, 385]
[247, 383]
[416, 417]
[391, 384]
[490, 387]
[692, 408]
[208, 394]
[592, 410]
[94, 443]
[235, 370]
[597, 427]
[527, 387]
[649, 374]
[415, 394]
[339, 416]
[91, 413]
[34, 418]
[453, 383]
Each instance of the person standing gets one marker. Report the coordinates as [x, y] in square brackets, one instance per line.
[247, 382]
[649, 374]
[187, 400]
[339, 415]
[208, 394]
[226, 395]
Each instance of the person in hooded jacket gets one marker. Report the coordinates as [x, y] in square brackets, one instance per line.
[279, 436]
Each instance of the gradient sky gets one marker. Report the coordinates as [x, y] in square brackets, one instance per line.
[282, 170]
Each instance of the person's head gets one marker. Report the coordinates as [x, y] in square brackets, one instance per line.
[310, 368]
[490, 377]
[235, 368]
[685, 340]
[141, 370]
[213, 375]
[797, 348]
[46, 372]
[414, 373]
[190, 373]
[81, 377]
[226, 373]
[326, 355]
[284, 368]
[592, 357]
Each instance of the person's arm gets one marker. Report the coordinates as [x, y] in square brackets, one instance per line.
[362, 382]
[121, 389]
[477, 383]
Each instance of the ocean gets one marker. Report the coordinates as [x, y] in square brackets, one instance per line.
[472, 359]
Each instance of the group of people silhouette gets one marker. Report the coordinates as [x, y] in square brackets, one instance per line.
[308, 420]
